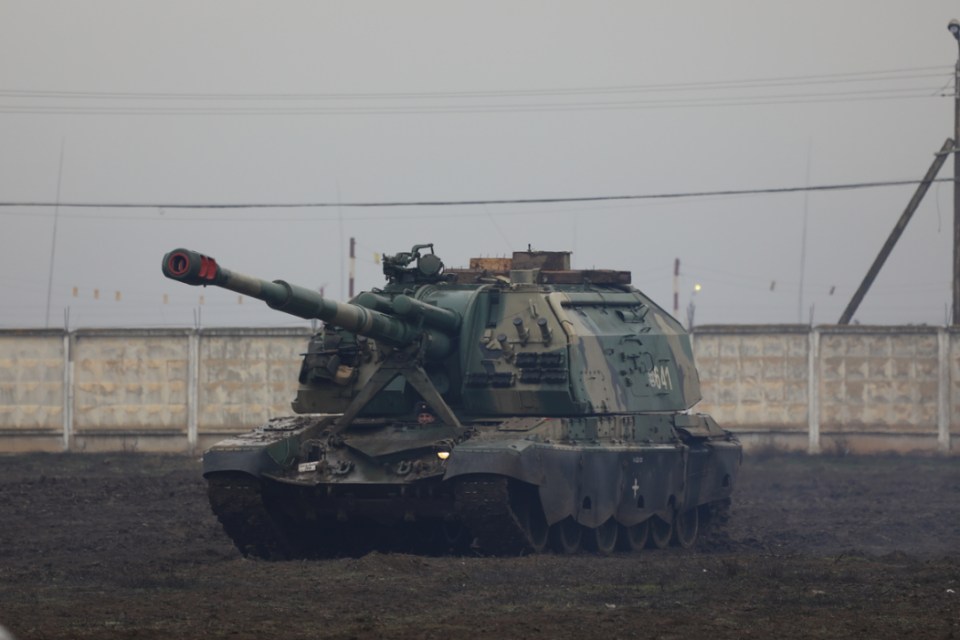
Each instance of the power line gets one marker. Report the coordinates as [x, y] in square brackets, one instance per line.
[733, 101]
[219, 216]
[449, 203]
[829, 78]
[491, 97]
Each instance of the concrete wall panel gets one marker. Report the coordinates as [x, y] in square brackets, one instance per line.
[31, 381]
[880, 381]
[246, 379]
[130, 382]
[754, 380]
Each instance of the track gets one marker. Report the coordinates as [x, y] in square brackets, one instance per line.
[485, 507]
[491, 516]
[237, 501]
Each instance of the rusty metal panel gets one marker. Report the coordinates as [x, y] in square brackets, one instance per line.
[491, 264]
[31, 381]
[130, 381]
[246, 379]
[884, 380]
[754, 380]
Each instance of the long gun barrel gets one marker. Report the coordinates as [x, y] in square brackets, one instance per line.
[194, 268]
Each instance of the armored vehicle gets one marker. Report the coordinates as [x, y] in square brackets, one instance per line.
[512, 406]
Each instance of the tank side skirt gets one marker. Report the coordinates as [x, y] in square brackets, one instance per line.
[577, 482]
[611, 484]
[716, 467]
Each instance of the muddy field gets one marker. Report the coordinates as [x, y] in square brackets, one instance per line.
[122, 546]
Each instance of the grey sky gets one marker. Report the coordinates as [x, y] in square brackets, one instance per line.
[269, 122]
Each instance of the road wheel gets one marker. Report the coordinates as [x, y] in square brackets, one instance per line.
[603, 539]
[528, 513]
[686, 527]
[634, 538]
[534, 523]
[565, 536]
[660, 532]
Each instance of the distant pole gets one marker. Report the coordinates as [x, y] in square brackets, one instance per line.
[340, 229]
[353, 264]
[53, 239]
[954, 27]
[676, 288]
[803, 237]
[939, 159]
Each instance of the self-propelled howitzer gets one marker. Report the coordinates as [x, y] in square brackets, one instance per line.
[510, 406]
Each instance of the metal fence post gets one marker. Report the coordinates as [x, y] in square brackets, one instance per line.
[943, 392]
[193, 374]
[813, 391]
[68, 393]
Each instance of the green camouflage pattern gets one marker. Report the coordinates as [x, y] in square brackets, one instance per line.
[511, 398]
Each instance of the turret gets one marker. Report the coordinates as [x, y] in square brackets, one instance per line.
[520, 336]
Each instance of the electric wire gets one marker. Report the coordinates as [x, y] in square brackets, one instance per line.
[787, 99]
[850, 186]
[488, 101]
[808, 79]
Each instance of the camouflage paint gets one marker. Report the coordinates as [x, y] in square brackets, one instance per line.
[570, 382]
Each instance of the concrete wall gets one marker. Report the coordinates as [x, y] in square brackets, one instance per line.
[756, 378]
[833, 388]
[827, 388]
[142, 390]
[32, 385]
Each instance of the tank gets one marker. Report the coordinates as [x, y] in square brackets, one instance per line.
[513, 406]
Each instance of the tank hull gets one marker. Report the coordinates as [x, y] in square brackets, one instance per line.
[294, 488]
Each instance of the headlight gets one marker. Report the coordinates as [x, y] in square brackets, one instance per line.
[443, 455]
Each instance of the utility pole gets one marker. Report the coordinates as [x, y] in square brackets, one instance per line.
[353, 264]
[954, 28]
[950, 147]
[53, 238]
[939, 159]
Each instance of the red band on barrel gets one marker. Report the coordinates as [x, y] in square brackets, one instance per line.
[208, 268]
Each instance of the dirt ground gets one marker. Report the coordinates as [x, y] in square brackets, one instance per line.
[124, 546]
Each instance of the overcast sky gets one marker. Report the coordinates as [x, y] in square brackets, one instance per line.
[325, 102]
